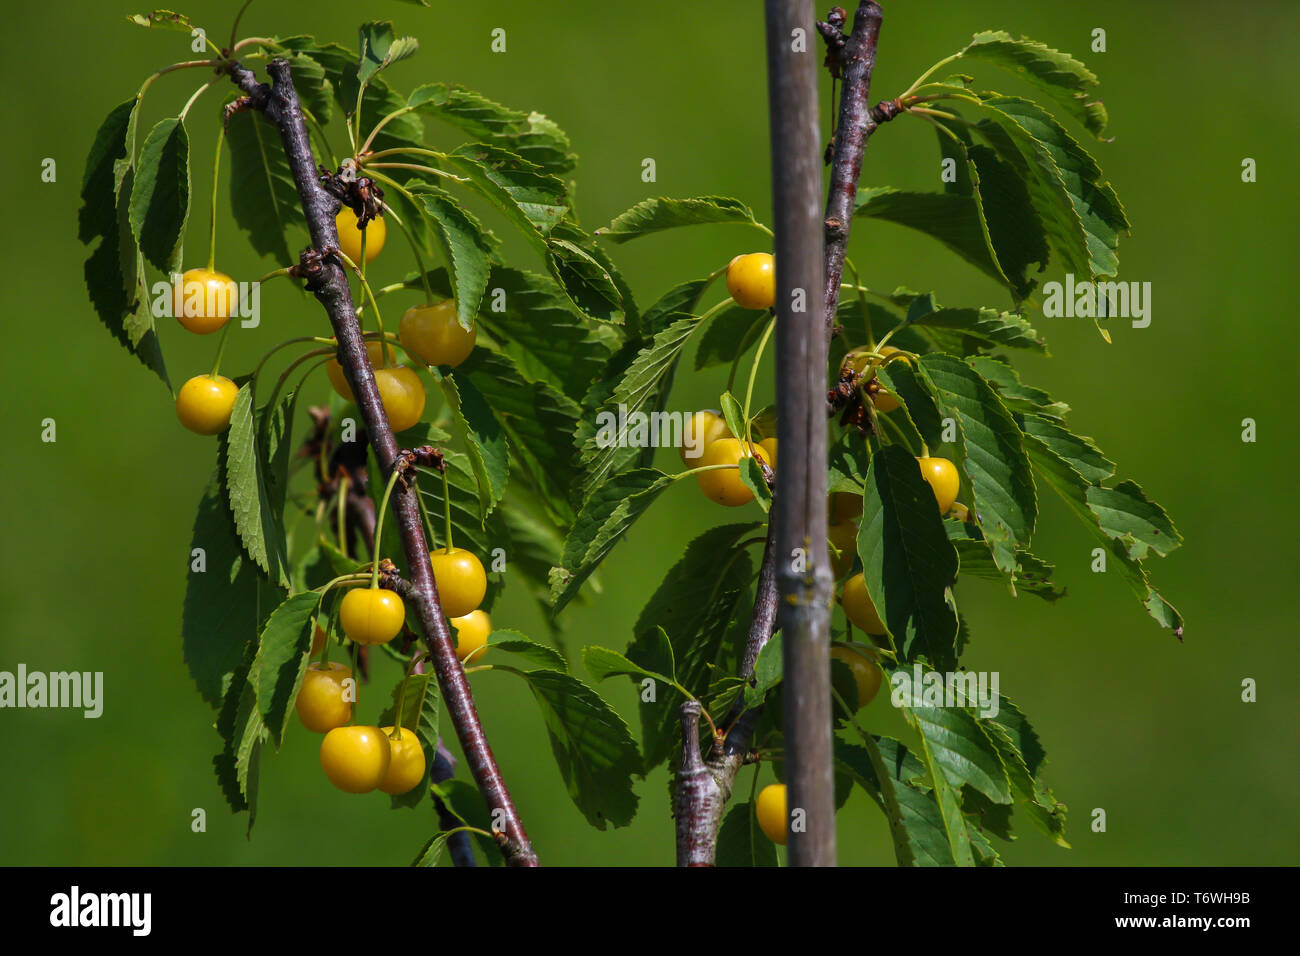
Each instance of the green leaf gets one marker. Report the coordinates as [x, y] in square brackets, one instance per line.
[619, 429]
[989, 325]
[1058, 74]
[592, 747]
[907, 560]
[605, 517]
[1081, 453]
[465, 248]
[380, 49]
[656, 215]
[1015, 231]
[164, 20]
[483, 437]
[741, 842]
[729, 335]
[538, 327]
[532, 199]
[160, 199]
[263, 196]
[1022, 756]
[223, 602]
[419, 714]
[768, 670]
[1017, 396]
[956, 741]
[682, 627]
[1128, 513]
[243, 473]
[585, 273]
[538, 420]
[240, 726]
[975, 559]
[281, 660]
[1006, 502]
[529, 135]
[431, 852]
[1081, 214]
[952, 219]
[102, 178]
[602, 663]
[540, 655]
[120, 303]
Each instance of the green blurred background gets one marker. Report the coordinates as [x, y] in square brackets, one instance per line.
[97, 525]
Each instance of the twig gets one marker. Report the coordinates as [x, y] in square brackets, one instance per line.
[853, 128]
[326, 279]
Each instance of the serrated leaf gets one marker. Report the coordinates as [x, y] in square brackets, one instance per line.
[1015, 394]
[952, 219]
[592, 747]
[160, 198]
[907, 561]
[537, 326]
[222, 613]
[1080, 212]
[465, 248]
[379, 49]
[99, 183]
[282, 649]
[1032, 574]
[263, 197]
[1058, 74]
[768, 670]
[609, 441]
[989, 325]
[240, 725]
[532, 199]
[656, 215]
[164, 20]
[741, 842]
[1074, 489]
[477, 428]
[538, 420]
[682, 627]
[1006, 501]
[529, 135]
[605, 517]
[956, 740]
[539, 655]
[585, 274]
[243, 473]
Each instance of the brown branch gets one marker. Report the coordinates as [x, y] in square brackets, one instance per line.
[327, 280]
[853, 127]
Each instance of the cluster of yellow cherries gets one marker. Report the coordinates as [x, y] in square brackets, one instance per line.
[751, 281]
[204, 299]
[358, 759]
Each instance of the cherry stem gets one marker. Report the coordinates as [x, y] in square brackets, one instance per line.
[221, 349]
[446, 504]
[216, 179]
[379, 526]
[341, 517]
[753, 373]
[410, 238]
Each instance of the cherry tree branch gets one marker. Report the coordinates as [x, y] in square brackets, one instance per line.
[852, 58]
[327, 280]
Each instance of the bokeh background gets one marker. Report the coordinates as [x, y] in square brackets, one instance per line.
[96, 526]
